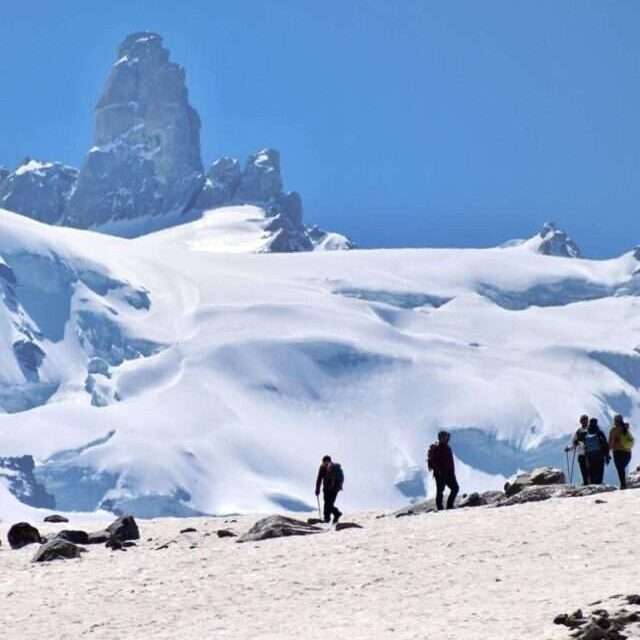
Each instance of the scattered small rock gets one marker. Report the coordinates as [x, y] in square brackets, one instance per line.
[115, 544]
[341, 526]
[55, 518]
[189, 530]
[225, 533]
[21, 534]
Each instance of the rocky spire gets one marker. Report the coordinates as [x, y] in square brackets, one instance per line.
[146, 155]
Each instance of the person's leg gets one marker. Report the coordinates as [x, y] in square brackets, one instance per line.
[621, 459]
[626, 460]
[439, 490]
[584, 469]
[618, 460]
[453, 491]
[596, 466]
[329, 500]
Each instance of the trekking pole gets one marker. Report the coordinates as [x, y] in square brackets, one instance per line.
[566, 453]
[573, 464]
[319, 512]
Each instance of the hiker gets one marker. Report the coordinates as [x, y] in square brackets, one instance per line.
[597, 450]
[621, 443]
[331, 477]
[577, 444]
[440, 461]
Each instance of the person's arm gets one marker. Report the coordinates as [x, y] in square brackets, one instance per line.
[605, 446]
[319, 479]
[612, 439]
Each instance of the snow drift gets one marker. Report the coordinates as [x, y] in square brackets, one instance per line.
[185, 372]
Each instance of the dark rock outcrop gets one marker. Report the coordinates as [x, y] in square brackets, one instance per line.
[537, 477]
[222, 181]
[278, 527]
[22, 534]
[538, 493]
[39, 190]
[18, 473]
[146, 155]
[261, 184]
[555, 242]
[57, 549]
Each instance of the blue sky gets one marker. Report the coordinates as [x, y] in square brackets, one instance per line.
[407, 123]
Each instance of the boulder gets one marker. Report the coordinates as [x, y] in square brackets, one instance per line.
[225, 533]
[75, 536]
[98, 537]
[21, 534]
[124, 528]
[278, 527]
[537, 477]
[57, 549]
[56, 518]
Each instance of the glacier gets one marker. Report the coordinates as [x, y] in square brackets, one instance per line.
[187, 371]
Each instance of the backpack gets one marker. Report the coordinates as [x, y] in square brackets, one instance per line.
[430, 455]
[338, 476]
[593, 443]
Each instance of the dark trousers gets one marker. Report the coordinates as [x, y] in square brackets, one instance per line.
[584, 469]
[621, 459]
[330, 505]
[596, 467]
[446, 480]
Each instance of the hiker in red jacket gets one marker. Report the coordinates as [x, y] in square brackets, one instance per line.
[440, 461]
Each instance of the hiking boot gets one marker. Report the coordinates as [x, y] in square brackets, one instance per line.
[337, 517]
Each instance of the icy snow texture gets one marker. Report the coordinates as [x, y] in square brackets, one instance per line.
[185, 376]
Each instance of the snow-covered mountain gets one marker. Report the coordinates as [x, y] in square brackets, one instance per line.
[144, 170]
[185, 371]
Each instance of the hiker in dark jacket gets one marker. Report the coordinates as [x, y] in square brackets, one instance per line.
[597, 450]
[577, 443]
[331, 478]
[440, 461]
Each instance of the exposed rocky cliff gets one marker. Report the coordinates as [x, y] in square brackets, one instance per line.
[40, 190]
[146, 155]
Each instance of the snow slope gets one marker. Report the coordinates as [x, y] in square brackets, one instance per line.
[469, 574]
[182, 374]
